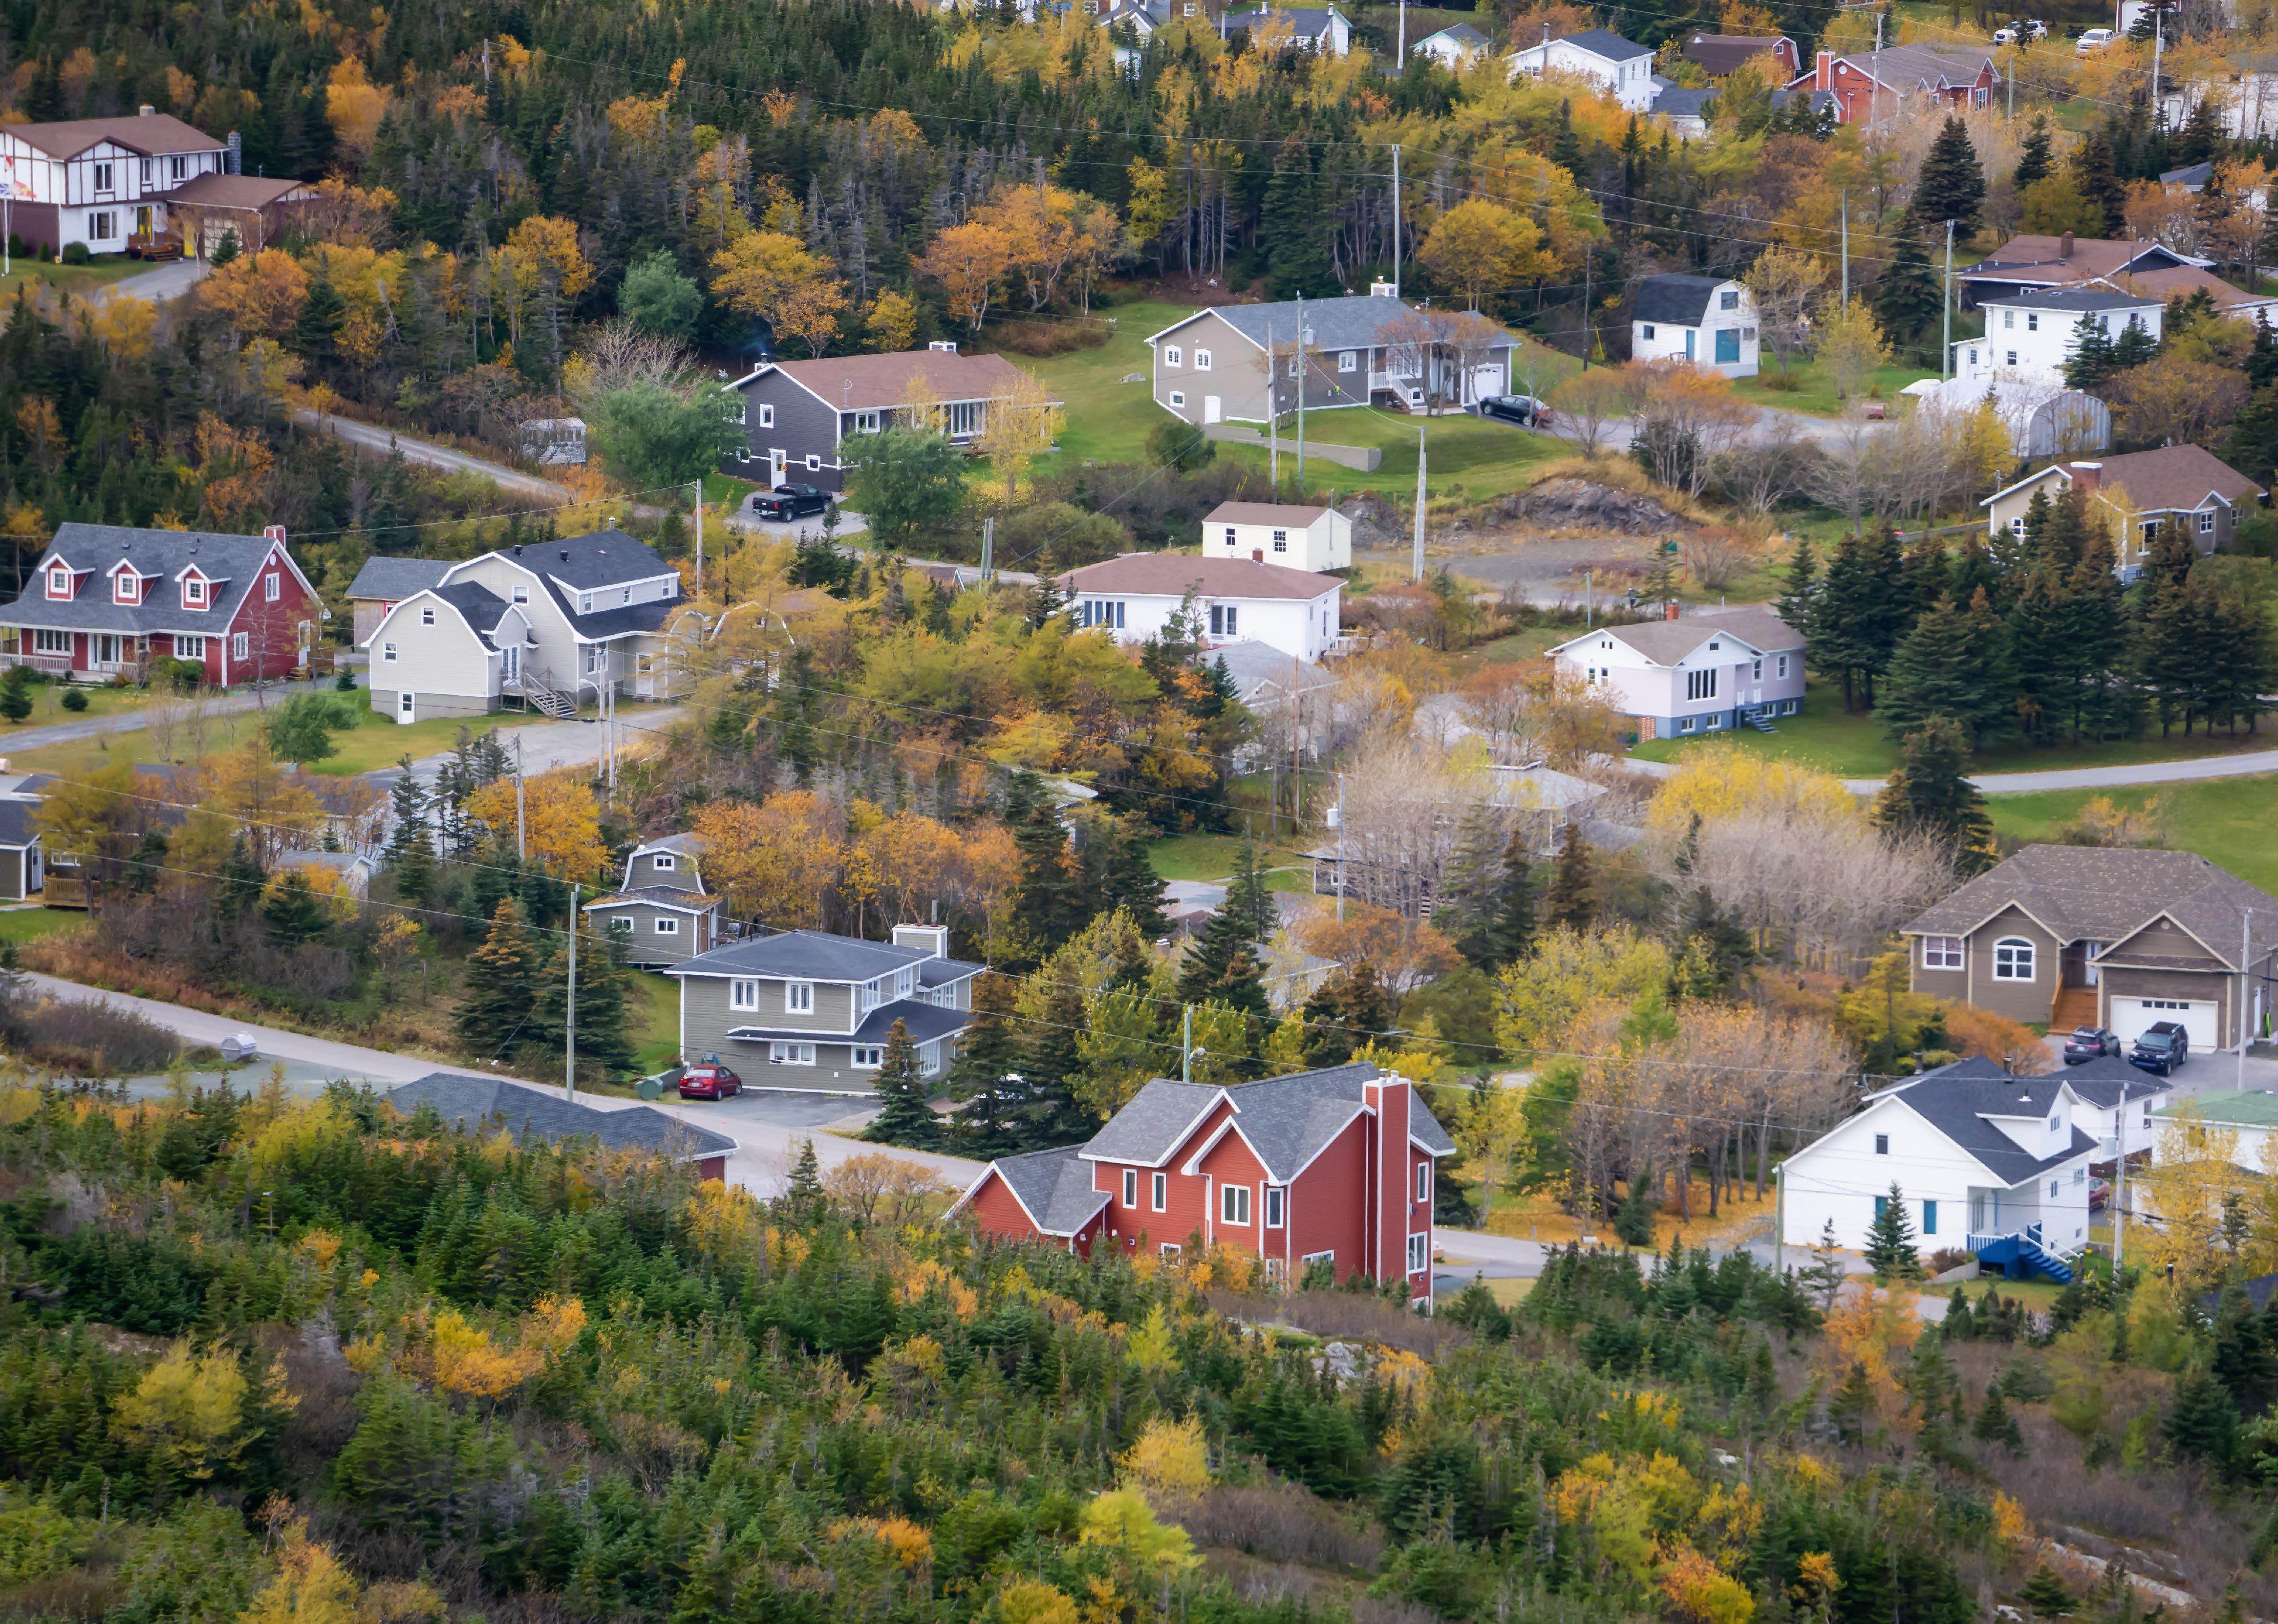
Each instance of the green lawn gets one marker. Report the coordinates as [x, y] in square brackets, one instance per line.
[1210, 859]
[1109, 421]
[1814, 390]
[653, 1017]
[726, 491]
[1528, 644]
[2226, 821]
[73, 279]
[22, 925]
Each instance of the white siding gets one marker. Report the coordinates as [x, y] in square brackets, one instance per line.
[445, 658]
[1305, 629]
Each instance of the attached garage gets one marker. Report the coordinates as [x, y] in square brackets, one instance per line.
[2132, 1016]
[1489, 380]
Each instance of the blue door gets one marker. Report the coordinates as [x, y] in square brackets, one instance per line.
[1688, 343]
[1728, 345]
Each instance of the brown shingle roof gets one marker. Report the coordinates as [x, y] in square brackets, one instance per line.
[2175, 479]
[241, 191]
[2033, 258]
[2185, 280]
[1666, 642]
[1720, 54]
[871, 382]
[1169, 574]
[1264, 513]
[150, 133]
[2106, 894]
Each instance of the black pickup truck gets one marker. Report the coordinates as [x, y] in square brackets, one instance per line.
[789, 502]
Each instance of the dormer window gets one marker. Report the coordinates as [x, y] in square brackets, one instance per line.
[585, 604]
[193, 592]
[127, 587]
[520, 592]
[59, 582]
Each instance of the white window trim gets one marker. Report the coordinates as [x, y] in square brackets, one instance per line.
[1234, 1204]
[664, 862]
[1202, 361]
[1942, 953]
[272, 586]
[1131, 1187]
[47, 640]
[1274, 1202]
[2007, 969]
[1178, 397]
[766, 416]
[1159, 1192]
[387, 653]
[1173, 356]
[866, 1056]
[1422, 1181]
[668, 925]
[1419, 1254]
[189, 645]
[426, 617]
[742, 994]
[240, 645]
[783, 1052]
[798, 997]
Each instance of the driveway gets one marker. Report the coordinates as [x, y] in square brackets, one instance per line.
[382, 442]
[541, 746]
[169, 281]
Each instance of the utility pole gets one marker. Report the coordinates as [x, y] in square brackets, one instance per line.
[1272, 413]
[521, 826]
[570, 1007]
[2119, 1181]
[1419, 575]
[2013, 86]
[1300, 394]
[2158, 43]
[1186, 1043]
[1404, 42]
[1588, 265]
[1875, 84]
[1341, 847]
[699, 483]
[1396, 219]
[1589, 600]
[2245, 952]
[988, 548]
[1845, 197]
[1946, 355]
[1296, 748]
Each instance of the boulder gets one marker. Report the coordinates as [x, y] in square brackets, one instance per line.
[1585, 505]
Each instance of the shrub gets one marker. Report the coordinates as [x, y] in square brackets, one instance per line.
[1949, 1257]
[85, 1037]
[74, 699]
[76, 253]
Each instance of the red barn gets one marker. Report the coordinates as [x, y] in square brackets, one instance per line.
[1289, 1169]
[105, 601]
[1872, 86]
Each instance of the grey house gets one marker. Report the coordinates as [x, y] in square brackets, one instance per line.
[662, 913]
[808, 1011]
[479, 1104]
[383, 583]
[21, 861]
[1356, 351]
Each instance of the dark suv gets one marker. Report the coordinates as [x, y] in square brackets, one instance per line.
[2161, 1048]
[791, 502]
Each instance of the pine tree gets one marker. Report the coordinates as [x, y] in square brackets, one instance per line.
[1853, 1403]
[501, 990]
[16, 693]
[2091, 362]
[1131, 882]
[1995, 1425]
[987, 1056]
[803, 1192]
[1633, 1219]
[1930, 792]
[1907, 298]
[1512, 935]
[410, 854]
[2133, 347]
[903, 1117]
[1800, 588]
[1890, 1249]
[1348, 1009]
[1950, 184]
[2034, 159]
[1572, 900]
[2095, 171]
[2045, 1594]
[1954, 663]
[2203, 1420]
[292, 913]
[605, 992]
[241, 884]
[316, 331]
[1047, 902]
[1464, 906]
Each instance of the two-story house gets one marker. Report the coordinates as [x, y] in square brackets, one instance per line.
[1695, 674]
[1708, 321]
[2104, 936]
[105, 601]
[1621, 68]
[381, 583]
[2030, 261]
[806, 1010]
[1286, 533]
[1242, 362]
[1720, 55]
[2187, 486]
[98, 181]
[1981, 1159]
[1876, 86]
[1135, 597]
[1333, 1166]
[1321, 30]
[542, 623]
[2032, 336]
[1453, 49]
[662, 913]
[800, 416]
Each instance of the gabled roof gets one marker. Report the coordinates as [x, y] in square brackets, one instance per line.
[1169, 574]
[1961, 1101]
[17, 827]
[589, 562]
[1723, 53]
[1904, 67]
[2034, 257]
[145, 132]
[1287, 1121]
[480, 608]
[1352, 321]
[804, 955]
[2166, 282]
[1153, 1122]
[391, 579]
[542, 1115]
[2109, 893]
[874, 383]
[2191, 177]
[213, 190]
[1460, 34]
[1053, 1187]
[1679, 301]
[2103, 1080]
[1600, 42]
[943, 972]
[1665, 643]
[231, 563]
[2078, 301]
[1290, 513]
[1678, 103]
[926, 1023]
[2175, 479]
[656, 896]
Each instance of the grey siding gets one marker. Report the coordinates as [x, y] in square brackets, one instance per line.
[708, 994]
[2163, 940]
[642, 873]
[1237, 373]
[705, 1020]
[2118, 986]
[13, 861]
[804, 427]
[643, 944]
[2020, 1001]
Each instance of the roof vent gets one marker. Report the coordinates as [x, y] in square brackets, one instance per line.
[517, 549]
[565, 555]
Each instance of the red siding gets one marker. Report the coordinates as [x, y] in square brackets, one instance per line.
[271, 630]
[1231, 1162]
[997, 1209]
[713, 1170]
[1327, 1211]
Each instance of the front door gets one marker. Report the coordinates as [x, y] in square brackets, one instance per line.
[778, 467]
[403, 711]
[510, 663]
[142, 221]
[1212, 409]
[644, 677]
[106, 650]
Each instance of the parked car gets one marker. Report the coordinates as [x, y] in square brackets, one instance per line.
[2094, 39]
[789, 502]
[710, 1081]
[2014, 32]
[2090, 1042]
[2162, 1047]
[1522, 409]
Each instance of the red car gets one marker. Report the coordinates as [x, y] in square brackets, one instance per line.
[710, 1082]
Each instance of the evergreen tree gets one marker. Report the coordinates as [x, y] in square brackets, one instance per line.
[1572, 900]
[1924, 576]
[1633, 1219]
[2203, 1421]
[1565, 144]
[501, 989]
[2092, 360]
[292, 913]
[2133, 347]
[903, 1117]
[1824, 1275]
[987, 1056]
[605, 994]
[1131, 882]
[803, 1192]
[1223, 966]
[2034, 159]
[1950, 184]
[1047, 902]
[1954, 663]
[16, 693]
[2095, 171]
[2201, 136]
[2045, 1594]
[1907, 298]
[2167, 655]
[241, 884]
[1247, 897]
[1715, 948]
[1855, 622]
[324, 312]
[1853, 1403]
[1512, 934]
[410, 853]
[1890, 1249]
[1930, 792]
[1298, 258]
[1348, 1009]
[1800, 588]
[1995, 1425]
[1465, 904]
[793, 715]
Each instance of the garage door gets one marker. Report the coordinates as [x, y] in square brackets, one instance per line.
[1488, 380]
[2131, 1016]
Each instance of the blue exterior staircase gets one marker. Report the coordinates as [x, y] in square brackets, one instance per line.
[2021, 1254]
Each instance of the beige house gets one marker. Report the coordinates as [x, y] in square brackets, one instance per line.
[2187, 486]
[1284, 533]
[2103, 936]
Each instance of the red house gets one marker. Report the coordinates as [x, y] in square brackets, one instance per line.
[1288, 1170]
[105, 601]
[1873, 86]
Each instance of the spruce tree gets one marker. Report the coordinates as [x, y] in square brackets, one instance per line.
[1824, 1275]
[1633, 1219]
[2133, 347]
[1930, 793]
[1348, 1009]
[241, 883]
[987, 1058]
[803, 1192]
[1852, 1405]
[903, 1117]
[1890, 1249]
[2034, 159]
[292, 913]
[1907, 298]
[1131, 882]
[2045, 1594]
[324, 312]
[2202, 1421]
[1572, 900]
[501, 991]
[2092, 360]
[1512, 935]
[410, 854]
[1950, 184]
[605, 994]
[1465, 904]
[1996, 1425]
[1047, 902]
[16, 693]
[1925, 574]
[1800, 588]
[1954, 663]
[2095, 171]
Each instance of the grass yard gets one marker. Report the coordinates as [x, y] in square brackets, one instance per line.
[48, 706]
[76, 280]
[1210, 859]
[1529, 642]
[2037, 1296]
[2226, 821]
[1815, 391]
[21, 925]
[726, 491]
[653, 1017]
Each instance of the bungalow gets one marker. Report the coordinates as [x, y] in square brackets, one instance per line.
[1876, 86]
[1135, 598]
[1710, 321]
[2184, 485]
[1621, 68]
[1696, 675]
[484, 1104]
[1453, 49]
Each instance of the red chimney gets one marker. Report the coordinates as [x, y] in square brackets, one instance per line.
[2087, 476]
[2064, 248]
[1669, 610]
[1258, 556]
[273, 533]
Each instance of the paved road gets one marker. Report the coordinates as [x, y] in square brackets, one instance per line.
[382, 441]
[2246, 763]
[169, 281]
[545, 745]
[131, 722]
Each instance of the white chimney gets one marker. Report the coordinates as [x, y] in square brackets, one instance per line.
[1382, 290]
[147, 111]
[932, 939]
[947, 346]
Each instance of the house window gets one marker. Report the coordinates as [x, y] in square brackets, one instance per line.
[1173, 356]
[1419, 1254]
[1171, 1249]
[1347, 361]
[2053, 1187]
[1234, 1204]
[798, 997]
[193, 593]
[1701, 684]
[1728, 299]
[1789, 707]
[100, 227]
[1178, 397]
[790, 1054]
[585, 604]
[46, 641]
[2017, 526]
[426, 617]
[1685, 724]
[1158, 1194]
[1779, 667]
[2032, 321]
[387, 651]
[2008, 318]
[102, 178]
[1972, 357]
[125, 587]
[1223, 621]
[1648, 333]
[1882, 1205]
[1131, 1187]
[142, 172]
[272, 586]
[766, 416]
[1930, 1218]
[188, 647]
[1716, 723]
[1881, 1144]
[1941, 952]
[59, 583]
[667, 925]
[812, 461]
[2206, 522]
[1422, 1181]
[742, 994]
[1281, 541]
[664, 862]
[174, 166]
[1312, 1258]
[2012, 355]
[867, 1057]
[2013, 959]
[1274, 1196]
[240, 645]
[1202, 361]
[2080, 1175]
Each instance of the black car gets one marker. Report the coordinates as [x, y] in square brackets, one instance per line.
[2090, 1042]
[2161, 1048]
[1522, 409]
[791, 502]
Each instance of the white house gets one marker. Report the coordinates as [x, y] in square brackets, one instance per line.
[2239, 1127]
[1623, 68]
[1453, 49]
[98, 181]
[1135, 597]
[1985, 1160]
[1701, 673]
[1321, 29]
[2111, 1095]
[2030, 337]
[1295, 538]
[1708, 321]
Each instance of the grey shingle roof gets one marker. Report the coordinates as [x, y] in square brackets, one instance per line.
[1681, 300]
[604, 558]
[1605, 42]
[232, 562]
[540, 1113]
[1667, 642]
[1355, 321]
[926, 1023]
[1055, 1187]
[16, 828]
[1286, 1119]
[685, 842]
[390, 580]
[1678, 103]
[1148, 1128]
[2107, 893]
[1958, 1106]
[1723, 53]
[657, 897]
[2099, 1081]
[1460, 34]
[477, 606]
[2083, 299]
[802, 956]
[1904, 67]
[941, 971]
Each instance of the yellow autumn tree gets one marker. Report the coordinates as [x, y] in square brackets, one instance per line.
[560, 818]
[1481, 246]
[776, 861]
[469, 1365]
[967, 261]
[354, 106]
[259, 294]
[267, 800]
[1170, 1462]
[1726, 782]
[187, 1413]
[1020, 427]
[770, 274]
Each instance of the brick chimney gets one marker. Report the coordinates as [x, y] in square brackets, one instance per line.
[2087, 476]
[1258, 556]
[2064, 247]
[1669, 611]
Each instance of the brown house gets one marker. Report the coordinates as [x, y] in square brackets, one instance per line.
[2118, 937]
[256, 208]
[1721, 54]
[2184, 485]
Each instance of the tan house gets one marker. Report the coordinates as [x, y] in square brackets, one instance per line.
[2187, 486]
[2104, 936]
